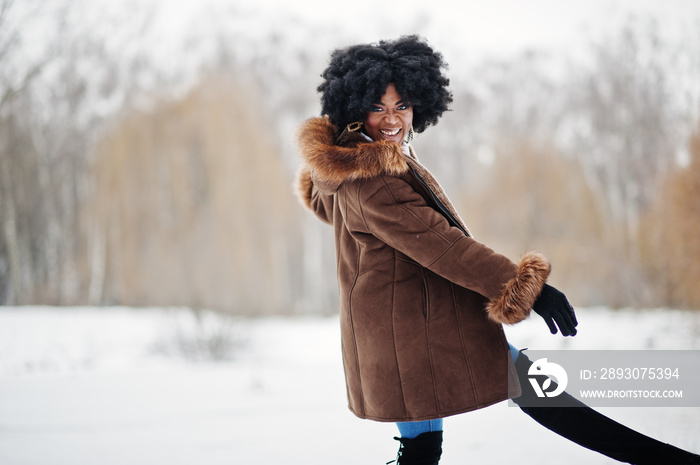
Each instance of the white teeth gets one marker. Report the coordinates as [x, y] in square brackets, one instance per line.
[390, 133]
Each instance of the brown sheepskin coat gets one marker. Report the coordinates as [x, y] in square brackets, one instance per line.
[421, 302]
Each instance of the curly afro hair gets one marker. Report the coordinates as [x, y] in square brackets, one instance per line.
[358, 76]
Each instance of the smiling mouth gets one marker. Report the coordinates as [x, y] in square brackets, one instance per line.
[390, 132]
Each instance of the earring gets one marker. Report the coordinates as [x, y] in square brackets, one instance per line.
[409, 136]
[352, 127]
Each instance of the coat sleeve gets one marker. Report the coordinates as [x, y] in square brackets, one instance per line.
[392, 211]
[312, 198]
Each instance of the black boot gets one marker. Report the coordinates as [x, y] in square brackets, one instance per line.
[592, 430]
[424, 449]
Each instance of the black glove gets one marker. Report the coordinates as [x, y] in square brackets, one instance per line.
[552, 305]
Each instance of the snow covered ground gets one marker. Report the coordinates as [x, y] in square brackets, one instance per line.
[103, 386]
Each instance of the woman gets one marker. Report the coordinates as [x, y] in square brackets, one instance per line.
[421, 302]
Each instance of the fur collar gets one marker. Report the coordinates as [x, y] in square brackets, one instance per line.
[333, 159]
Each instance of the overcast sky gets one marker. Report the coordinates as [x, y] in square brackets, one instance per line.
[492, 26]
[477, 27]
[183, 33]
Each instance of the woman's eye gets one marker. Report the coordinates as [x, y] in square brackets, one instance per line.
[404, 107]
[376, 109]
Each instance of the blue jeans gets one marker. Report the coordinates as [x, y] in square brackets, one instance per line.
[411, 429]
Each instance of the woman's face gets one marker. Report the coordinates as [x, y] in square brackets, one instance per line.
[389, 119]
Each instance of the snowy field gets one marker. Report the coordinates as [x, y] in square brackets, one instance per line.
[107, 386]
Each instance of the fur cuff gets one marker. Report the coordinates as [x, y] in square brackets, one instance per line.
[519, 294]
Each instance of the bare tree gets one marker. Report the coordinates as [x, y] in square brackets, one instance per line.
[50, 117]
[669, 238]
[16, 165]
[626, 120]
